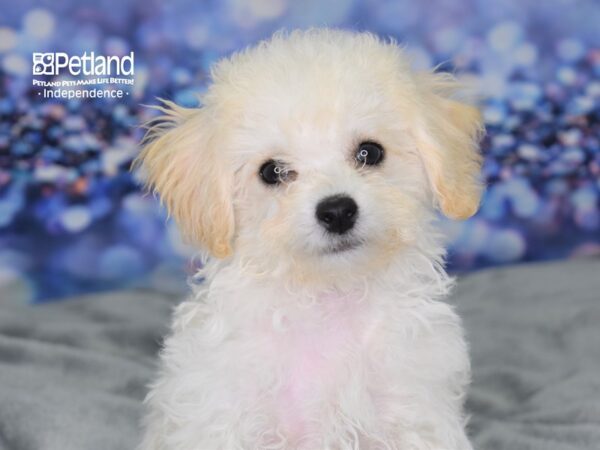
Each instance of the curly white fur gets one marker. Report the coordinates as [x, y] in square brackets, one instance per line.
[286, 344]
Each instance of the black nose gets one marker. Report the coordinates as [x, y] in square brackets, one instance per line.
[337, 213]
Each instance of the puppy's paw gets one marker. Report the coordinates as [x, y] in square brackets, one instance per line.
[458, 441]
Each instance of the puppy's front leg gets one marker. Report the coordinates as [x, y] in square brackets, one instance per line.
[437, 432]
[210, 393]
[424, 389]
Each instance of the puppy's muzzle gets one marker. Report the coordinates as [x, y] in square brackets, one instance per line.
[337, 214]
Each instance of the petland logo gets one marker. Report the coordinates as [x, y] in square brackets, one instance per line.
[75, 73]
[87, 64]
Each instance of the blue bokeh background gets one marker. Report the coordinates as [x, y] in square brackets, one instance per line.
[73, 219]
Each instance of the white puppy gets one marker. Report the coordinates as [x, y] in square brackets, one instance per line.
[310, 176]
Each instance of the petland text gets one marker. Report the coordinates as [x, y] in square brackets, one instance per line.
[86, 64]
[97, 70]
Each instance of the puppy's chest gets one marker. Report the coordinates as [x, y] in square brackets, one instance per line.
[319, 351]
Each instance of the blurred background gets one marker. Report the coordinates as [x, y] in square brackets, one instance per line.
[73, 219]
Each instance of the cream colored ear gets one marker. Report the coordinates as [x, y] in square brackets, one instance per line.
[448, 139]
[183, 165]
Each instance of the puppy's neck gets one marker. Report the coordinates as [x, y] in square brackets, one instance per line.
[411, 274]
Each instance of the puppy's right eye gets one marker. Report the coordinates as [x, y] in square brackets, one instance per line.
[369, 153]
[272, 172]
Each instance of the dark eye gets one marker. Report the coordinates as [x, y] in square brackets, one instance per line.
[369, 153]
[273, 172]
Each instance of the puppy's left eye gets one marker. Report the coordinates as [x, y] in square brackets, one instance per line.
[275, 172]
[369, 153]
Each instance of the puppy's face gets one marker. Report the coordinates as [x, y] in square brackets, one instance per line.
[330, 182]
[318, 155]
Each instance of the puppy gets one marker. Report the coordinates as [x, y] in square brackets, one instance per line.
[310, 176]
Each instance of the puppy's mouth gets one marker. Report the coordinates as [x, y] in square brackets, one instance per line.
[342, 246]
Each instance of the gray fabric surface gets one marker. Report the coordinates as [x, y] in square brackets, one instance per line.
[535, 346]
[73, 373]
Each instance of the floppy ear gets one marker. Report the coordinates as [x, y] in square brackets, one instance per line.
[448, 140]
[182, 163]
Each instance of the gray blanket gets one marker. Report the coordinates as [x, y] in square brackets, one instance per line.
[73, 373]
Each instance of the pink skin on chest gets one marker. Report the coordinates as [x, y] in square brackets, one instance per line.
[318, 347]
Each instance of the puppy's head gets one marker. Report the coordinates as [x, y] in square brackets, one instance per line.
[318, 153]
